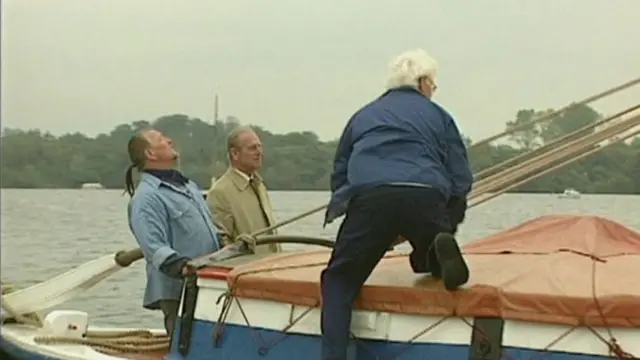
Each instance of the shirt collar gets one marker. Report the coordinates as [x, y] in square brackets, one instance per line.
[244, 176]
[169, 175]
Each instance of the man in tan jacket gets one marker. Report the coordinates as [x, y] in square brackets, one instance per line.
[238, 199]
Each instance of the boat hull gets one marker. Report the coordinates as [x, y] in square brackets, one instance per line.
[241, 342]
[265, 330]
[245, 343]
[11, 351]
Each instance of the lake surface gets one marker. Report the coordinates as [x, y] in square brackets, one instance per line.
[47, 232]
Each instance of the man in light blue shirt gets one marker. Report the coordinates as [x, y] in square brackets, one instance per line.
[168, 217]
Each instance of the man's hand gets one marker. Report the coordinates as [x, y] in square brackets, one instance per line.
[174, 266]
[188, 269]
[457, 207]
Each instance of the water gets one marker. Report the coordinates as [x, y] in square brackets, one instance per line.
[47, 232]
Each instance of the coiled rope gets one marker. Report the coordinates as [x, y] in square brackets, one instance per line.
[131, 341]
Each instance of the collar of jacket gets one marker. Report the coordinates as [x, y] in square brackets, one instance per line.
[406, 88]
[241, 181]
[156, 182]
[169, 175]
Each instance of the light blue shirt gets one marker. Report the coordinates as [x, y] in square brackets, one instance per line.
[169, 220]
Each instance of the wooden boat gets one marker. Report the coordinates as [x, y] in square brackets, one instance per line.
[558, 287]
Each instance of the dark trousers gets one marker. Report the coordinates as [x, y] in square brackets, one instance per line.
[170, 311]
[373, 221]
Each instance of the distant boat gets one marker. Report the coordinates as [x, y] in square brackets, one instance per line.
[570, 194]
[92, 186]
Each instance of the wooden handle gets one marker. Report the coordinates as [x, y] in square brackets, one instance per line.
[125, 258]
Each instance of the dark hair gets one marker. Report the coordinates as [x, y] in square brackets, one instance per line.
[136, 148]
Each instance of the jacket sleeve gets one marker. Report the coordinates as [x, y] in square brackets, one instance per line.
[221, 212]
[341, 159]
[457, 161]
[148, 220]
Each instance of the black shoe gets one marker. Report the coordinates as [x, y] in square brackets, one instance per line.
[454, 269]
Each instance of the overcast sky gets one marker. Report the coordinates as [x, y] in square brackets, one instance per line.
[290, 65]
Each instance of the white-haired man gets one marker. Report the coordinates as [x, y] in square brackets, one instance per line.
[400, 169]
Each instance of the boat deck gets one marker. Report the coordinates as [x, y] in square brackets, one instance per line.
[547, 270]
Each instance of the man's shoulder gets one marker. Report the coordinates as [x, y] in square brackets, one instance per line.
[223, 183]
[194, 186]
[145, 196]
[220, 188]
[439, 108]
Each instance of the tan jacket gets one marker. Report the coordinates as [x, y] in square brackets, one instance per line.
[236, 207]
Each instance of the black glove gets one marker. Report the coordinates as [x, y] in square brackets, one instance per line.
[457, 207]
[175, 266]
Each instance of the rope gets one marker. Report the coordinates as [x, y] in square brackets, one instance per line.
[286, 222]
[112, 342]
[614, 348]
[558, 112]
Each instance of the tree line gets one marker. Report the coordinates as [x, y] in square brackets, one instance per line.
[293, 161]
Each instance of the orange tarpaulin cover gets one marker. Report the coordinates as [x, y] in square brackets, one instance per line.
[574, 270]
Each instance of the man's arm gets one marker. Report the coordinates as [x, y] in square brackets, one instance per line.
[457, 162]
[221, 212]
[460, 173]
[148, 220]
[341, 159]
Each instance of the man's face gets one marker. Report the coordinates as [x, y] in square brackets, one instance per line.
[428, 86]
[160, 147]
[247, 154]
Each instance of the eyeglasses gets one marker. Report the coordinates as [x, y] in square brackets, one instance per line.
[433, 85]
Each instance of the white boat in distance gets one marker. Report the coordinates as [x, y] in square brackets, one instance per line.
[556, 287]
[570, 194]
[92, 186]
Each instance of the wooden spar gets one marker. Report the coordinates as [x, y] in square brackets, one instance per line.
[480, 186]
[557, 142]
[488, 196]
[558, 112]
[66, 286]
[572, 149]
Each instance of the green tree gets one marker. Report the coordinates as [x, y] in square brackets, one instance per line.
[569, 121]
[528, 137]
[293, 161]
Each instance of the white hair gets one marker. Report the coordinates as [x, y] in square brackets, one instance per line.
[405, 69]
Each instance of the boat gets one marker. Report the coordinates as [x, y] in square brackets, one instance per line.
[92, 186]
[570, 194]
[556, 287]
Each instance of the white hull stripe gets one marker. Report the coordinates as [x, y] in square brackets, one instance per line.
[406, 328]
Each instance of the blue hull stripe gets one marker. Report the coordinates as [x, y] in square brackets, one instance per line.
[243, 343]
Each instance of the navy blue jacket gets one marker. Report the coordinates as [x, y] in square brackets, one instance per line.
[401, 137]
